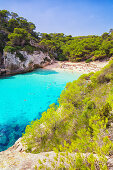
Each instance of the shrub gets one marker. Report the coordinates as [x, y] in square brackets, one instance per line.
[88, 60]
[91, 147]
[20, 56]
[30, 49]
[77, 59]
[9, 49]
[12, 49]
[61, 57]
[79, 101]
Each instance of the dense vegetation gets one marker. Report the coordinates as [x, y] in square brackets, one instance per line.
[81, 118]
[73, 156]
[16, 33]
[79, 122]
[79, 48]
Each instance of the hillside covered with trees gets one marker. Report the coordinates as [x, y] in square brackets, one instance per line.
[16, 34]
[81, 122]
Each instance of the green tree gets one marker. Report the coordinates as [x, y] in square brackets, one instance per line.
[12, 23]
[19, 37]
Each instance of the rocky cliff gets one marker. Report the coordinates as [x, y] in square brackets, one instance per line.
[20, 62]
[16, 158]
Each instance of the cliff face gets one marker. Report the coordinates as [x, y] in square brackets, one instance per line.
[23, 62]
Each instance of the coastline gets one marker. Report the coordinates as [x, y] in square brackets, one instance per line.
[81, 67]
[15, 157]
[9, 73]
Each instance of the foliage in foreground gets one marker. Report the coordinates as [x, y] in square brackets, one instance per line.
[95, 144]
[77, 125]
[88, 96]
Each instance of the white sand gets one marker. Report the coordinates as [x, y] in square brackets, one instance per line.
[78, 66]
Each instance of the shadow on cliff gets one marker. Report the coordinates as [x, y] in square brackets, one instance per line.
[8, 77]
[38, 72]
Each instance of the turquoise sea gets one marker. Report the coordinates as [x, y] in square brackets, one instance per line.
[24, 97]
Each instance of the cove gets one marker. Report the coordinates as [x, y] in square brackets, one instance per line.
[24, 97]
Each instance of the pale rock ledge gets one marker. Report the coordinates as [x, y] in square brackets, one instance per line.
[24, 62]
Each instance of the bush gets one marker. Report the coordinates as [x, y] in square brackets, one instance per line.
[61, 57]
[12, 49]
[79, 101]
[9, 49]
[91, 149]
[78, 59]
[30, 49]
[88, 60]
[20, 56]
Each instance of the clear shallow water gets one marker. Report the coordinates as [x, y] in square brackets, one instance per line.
[24, 97]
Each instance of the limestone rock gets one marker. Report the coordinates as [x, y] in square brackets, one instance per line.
[24, 62]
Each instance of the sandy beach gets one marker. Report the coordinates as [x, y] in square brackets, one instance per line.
[81, 67]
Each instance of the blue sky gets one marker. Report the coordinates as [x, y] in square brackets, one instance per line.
[75, 17]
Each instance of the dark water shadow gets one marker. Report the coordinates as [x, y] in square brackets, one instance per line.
[12, 131]
[9, 134]
[8, 77]
[38, 72]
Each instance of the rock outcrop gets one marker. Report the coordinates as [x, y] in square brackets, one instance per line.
[15, 158]
[23, 62]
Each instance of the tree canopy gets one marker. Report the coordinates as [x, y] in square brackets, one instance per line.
[16, 31]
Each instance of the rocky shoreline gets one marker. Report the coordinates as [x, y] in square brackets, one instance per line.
[12, 64]
[15, 158]
[7, 73]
